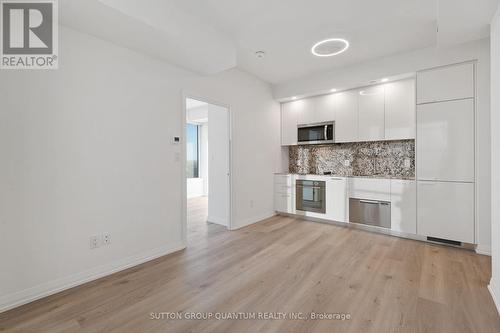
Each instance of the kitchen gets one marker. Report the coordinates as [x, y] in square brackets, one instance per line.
[378, 157]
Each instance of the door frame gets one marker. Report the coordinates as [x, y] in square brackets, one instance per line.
[185, 96]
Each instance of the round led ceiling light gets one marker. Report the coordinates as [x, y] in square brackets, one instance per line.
[330, 47]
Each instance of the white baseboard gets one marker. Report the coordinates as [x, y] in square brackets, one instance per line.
[484, 249]
[495, 294]
[247, 222]
[14, 300]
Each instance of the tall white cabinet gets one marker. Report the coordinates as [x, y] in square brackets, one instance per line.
[445, 149]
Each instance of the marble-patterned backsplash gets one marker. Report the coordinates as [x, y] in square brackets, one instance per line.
[380, 158]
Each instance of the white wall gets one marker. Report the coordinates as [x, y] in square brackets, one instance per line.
[218, 165]
[88, 149]
[360, 74]
[495, 158]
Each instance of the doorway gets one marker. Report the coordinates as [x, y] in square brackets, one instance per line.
[207, 168]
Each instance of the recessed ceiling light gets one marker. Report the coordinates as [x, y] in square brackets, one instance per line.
[384, 79]
[333, 90]
[330, 47]
[294, 97]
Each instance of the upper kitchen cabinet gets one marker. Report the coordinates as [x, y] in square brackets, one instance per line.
[289, 119]
[371, 114]
[445, 83]
[346, 116]
[400, 110]
[325, 108]
[306, 111]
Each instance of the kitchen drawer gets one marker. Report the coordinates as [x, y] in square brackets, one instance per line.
[283, 188]
[284, 203]
[283, 179]
[370, 188]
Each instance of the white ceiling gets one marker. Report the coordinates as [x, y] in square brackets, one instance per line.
[211, 35]
[194, 103]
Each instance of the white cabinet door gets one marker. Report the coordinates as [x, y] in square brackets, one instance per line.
[289, 117]
[283, 203]
[446, 210]
[445, 83]
[371, 114]
[445, 141]
[370, 188]
[325, 108]
[404, 206]
[307, 111]
[400, 110]
[336, 199]
[346, 116]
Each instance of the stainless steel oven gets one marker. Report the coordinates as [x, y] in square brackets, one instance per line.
[319, 133]
[310, 196]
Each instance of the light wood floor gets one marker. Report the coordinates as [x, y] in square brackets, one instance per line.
[385, 284]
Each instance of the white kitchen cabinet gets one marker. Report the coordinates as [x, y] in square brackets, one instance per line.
[336, 199]
[307, 111]
[445, 141]
[346, 116]
[371, 114]
[289, 119]
[324, 108]
[404, 206]
[446, 210]
[370, 188]
[284, 193]
[400, 110]
[446, 83]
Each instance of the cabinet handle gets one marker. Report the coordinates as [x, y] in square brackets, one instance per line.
[369, 202]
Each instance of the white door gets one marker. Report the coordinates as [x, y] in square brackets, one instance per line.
[306, 111]
[404, 206]
[325, 108]
[371, 114]
[289, 118]
[218, 165]
[346, 116]
[445, 141]
[400, 110]
[445, 83]
[336, 199]
[446, 210]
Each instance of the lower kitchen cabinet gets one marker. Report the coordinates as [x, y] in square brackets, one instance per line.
[446, 210]
[283, 203]
[336, 199]
[284, 194]
[404, 206]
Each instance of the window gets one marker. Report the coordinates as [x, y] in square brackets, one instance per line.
[193, 151]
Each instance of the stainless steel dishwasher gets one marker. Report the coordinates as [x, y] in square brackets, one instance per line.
[370, 212]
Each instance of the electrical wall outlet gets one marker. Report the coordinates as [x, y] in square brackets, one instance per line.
[347, 163]
[407, 163]
[95, 242]
[106, 239]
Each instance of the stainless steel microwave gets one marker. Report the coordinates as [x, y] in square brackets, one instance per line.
[319, 133]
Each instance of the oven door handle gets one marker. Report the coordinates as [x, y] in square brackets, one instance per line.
[313, 187]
